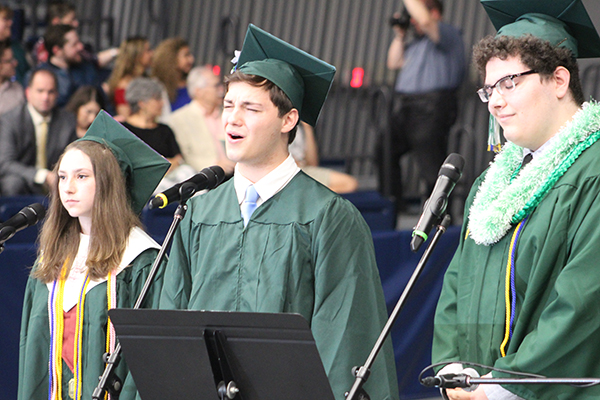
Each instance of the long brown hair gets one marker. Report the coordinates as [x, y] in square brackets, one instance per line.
[164, 64]
[112, 220]
[127, 63]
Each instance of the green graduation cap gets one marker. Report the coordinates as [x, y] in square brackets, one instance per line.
[305, 79]
[563, 23]
[142, 166]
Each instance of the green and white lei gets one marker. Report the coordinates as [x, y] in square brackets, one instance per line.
[507, 195]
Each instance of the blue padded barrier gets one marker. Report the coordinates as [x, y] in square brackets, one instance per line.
[378, 211]
[412, 333]
[15, 263]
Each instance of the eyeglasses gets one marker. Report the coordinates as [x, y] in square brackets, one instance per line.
[503, 85]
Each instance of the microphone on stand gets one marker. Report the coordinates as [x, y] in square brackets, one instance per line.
[451, 381]
[208, 178]
[27, 217]
[435, 206]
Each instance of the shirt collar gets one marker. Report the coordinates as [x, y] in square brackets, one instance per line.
[36, 117]
[268, 185]
[542, 148]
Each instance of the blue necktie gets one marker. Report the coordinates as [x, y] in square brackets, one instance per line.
[249, 203]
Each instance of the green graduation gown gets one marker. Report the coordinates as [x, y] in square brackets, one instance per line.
[557, 324]
[35, 335]
[305, 250]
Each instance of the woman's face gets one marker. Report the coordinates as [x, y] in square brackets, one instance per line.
[185, 60]
[86, 114]
[152, 107]
[146, 56]
[77, 185]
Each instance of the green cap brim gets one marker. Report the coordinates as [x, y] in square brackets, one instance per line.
[572, 13]
[305, 79]
[143, 167]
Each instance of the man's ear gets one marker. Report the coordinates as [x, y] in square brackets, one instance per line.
[54, 50]
[562, 78]
[290, 120]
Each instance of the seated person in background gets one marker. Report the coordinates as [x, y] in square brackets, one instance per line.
[197, 125]
[11, 93]
[67, 63]
[65, 13]
[135, 56]
[23, 60]
[85, 104]
[32, 137]
[24, 64]
[171, 64]
[144, 96]
[305, 152]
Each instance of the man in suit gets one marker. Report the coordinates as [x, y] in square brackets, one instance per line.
[197, 125]
[32, 137]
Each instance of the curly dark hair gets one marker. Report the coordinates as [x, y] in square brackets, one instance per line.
[535, 53]
[278, 97]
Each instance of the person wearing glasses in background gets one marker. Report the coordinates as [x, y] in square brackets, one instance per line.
[521, 293]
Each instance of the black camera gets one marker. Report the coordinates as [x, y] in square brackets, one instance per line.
[403, 21]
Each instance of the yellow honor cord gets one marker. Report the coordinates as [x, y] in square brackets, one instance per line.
[509, 267]
[60, 327]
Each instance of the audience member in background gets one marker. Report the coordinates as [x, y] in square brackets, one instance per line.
[197, 125]
[82, 271]
[6, 21]
[67, 62]
[32, 138]
[11, 93]
[135, 57]
[306, 154]
[144, 96]
[85, 104]
[65, 13]
[429, 55]
[171, 64]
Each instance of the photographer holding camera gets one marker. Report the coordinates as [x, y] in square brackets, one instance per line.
[430, 56]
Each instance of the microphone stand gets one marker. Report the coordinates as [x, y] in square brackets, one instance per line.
[466, 381]
[544, 381]
[109, 381]
[362, 373]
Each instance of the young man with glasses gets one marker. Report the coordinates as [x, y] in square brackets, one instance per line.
[521, 293]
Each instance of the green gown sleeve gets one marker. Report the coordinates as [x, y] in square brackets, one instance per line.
[143, 264]
[349, 310]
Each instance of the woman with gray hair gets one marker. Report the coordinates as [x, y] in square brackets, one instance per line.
[145, 98]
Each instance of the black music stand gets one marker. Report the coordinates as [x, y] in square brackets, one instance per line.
[213, 355]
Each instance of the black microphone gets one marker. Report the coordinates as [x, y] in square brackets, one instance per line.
[208, 178]
[448, 381]
[27, 217]
[435, 206]
[452, 381]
